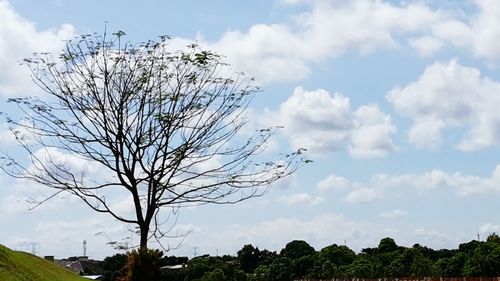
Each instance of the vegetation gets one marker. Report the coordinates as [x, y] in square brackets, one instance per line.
[298, 260]
[142, 264]
[20, 266]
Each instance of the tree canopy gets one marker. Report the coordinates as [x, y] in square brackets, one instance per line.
[296, 261]
[160, 126]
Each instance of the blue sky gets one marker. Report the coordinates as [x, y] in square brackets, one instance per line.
[396, 101]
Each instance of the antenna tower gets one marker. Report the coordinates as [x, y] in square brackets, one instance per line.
[84, 244]
[34, 247]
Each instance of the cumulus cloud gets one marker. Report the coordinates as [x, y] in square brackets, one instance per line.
[284, 51]
[363, 195]
[319, 231]
[324, 123]
[426, 45]
[477, 33]
[333, 182]
[273, 234]
[464, 185]
[489, 228]
[73, 163]
[23, 196]
[380, 184]
[394, 214]
[357, 192]
[371, 135]
[433, 237]
[449, 95]
[70, 235]
[20, 39]
[300, 199]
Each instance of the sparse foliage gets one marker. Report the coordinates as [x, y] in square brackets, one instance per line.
[157, 125]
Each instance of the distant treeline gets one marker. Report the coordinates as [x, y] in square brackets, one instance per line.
[298, 260]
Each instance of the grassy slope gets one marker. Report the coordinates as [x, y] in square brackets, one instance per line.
[17, 266]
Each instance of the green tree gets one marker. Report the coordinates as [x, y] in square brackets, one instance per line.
[261, 273]
[452, 266]
[113, 266]
[339, 255]
[361, 268]
[267, 257]
[387, 245]
[215, 275]
[302, 267]
[422, 266]
[328, 270]
[248, 257]
[397, 267]
[484, 260]
[281, 269]
[296, 249]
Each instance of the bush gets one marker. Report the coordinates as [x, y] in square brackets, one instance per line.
[142, 264]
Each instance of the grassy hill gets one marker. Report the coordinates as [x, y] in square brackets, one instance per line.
[20, 266]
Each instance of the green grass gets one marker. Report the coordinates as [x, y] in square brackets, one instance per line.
[20, 266]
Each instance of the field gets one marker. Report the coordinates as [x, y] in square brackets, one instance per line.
[17, 266]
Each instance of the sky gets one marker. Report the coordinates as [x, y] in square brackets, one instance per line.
[396, 101]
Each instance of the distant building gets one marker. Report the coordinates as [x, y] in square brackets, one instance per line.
[83, 266]
[49, 258]
[177, 266]
[93, 277]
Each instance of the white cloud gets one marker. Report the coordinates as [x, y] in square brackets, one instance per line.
[14, 203]
[19, 38]
[433, 237]
[273, 234]
[301, 199]
[324, 123]
[464, 185]
[394, 214]
[486, 30]
[489, 228]
[428, 180]
[70, 235]
[449, 95]
[426, 45]
[74, 163]
[476, 32]
[124, 207]
[382, 184]
[371, 135]
[284, 51]
[23, 196]
[363, 195]
[265, 51]
[333, 182]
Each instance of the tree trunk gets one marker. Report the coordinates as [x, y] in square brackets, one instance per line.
[144, 236]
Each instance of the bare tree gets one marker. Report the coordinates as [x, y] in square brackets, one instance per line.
[165, 126]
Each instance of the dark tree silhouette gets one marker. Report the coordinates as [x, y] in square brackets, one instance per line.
[163, 125]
